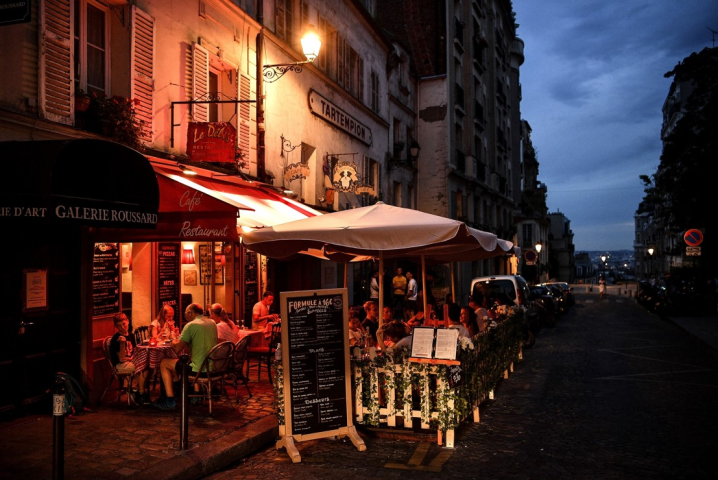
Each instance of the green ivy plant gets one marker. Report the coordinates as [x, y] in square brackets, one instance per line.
[483, 362]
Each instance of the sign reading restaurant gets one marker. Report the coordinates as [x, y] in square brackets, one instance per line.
[325, 109]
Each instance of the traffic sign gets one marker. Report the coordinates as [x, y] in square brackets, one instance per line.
[530, 257]
[693, 237]
[693, 251]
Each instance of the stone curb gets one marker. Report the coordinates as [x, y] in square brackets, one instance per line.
[216, 454]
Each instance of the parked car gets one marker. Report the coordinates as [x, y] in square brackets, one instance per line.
[516, 289]
[548, 311]
[558, 295]
[567, 292]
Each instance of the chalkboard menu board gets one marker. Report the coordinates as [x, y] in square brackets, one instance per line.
[168, 264]
[315, 365]
[317, 360]
[106, 279]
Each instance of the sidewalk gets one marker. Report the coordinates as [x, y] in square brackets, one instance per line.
[118, 442]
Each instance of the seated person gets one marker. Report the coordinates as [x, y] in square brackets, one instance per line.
[163, 323]
[371, 322]
[455, 320]
[391, 316]
[418, 319]
[227, 331]
[121, 346]
[468, 320]
[396, 337]
[356, 332]
[199, 335]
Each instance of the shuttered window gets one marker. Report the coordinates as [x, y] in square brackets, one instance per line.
[200, 82]
[142, 64]
[244, 118]
[56, 76]
[283, 19]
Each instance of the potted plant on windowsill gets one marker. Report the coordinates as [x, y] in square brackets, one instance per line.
[82, 101]
[116, 117]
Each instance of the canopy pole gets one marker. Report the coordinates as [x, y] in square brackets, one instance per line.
[453, 284]
[423, 285]
[346, 268]
[381, 288]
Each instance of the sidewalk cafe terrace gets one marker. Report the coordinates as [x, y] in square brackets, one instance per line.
[439, 396]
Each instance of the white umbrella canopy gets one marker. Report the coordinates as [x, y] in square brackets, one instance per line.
[378, 230]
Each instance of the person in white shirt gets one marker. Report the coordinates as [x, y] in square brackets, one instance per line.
[412, 293]
[227, 331]
[260, 312]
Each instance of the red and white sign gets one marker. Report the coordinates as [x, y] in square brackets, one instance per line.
[211, 142]
[693, 237]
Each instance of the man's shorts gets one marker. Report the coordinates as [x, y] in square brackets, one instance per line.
[125, 367]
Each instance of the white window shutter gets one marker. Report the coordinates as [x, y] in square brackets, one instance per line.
[200, 82]
[244, 116]
[57, 102]
[142, 67]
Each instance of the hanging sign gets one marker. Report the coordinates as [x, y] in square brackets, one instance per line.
[211, 142]
[346, 176]
[15, 12]
[329, 112]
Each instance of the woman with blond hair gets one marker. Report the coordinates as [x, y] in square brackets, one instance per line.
[227, 331]
[164, 322]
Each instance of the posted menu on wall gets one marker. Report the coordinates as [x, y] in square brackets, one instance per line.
[316, 359]
[106, 279]
[168, 265]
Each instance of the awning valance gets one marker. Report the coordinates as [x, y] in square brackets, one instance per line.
[80, 182]
[263, 207]
[187, 212]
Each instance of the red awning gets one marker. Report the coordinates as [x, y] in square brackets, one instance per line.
[187, 212]
[263, 206]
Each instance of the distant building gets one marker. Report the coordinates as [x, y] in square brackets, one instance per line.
[561, 248]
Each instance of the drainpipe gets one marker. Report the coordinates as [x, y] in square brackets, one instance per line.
[261, 165]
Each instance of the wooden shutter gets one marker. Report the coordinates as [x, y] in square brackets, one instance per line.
[280, 19]
[57, 102]
[340, 60]
[360, 78]
[142, 67]
[244, 117]
[322, 60]
[200, 82]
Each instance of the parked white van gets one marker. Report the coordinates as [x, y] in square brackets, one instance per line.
[513, 286]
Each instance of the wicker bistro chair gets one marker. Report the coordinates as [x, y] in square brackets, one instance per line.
[124, 380]
[264, 355]
[235, 372]
[213, 372]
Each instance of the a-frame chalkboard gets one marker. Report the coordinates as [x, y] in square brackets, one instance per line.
[317, 373]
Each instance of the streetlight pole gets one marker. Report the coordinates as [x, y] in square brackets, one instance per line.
[603, 263]
[538, 260]
[650, 265]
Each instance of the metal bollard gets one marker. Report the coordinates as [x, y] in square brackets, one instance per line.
[58, 429]
[184, 419]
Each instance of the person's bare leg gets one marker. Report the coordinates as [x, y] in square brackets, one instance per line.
[167, 370]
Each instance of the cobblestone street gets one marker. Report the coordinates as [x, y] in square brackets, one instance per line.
[610, 392]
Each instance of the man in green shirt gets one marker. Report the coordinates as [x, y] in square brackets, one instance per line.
[199, 336]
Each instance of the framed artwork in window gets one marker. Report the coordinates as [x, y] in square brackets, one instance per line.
[204, 269]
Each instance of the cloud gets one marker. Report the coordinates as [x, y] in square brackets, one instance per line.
[593, 89]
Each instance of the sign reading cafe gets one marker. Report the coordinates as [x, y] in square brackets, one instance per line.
[329, 112]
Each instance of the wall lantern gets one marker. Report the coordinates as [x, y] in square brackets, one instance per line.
[311, 43]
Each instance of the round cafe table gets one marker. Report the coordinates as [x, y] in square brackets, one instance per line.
[150, 356]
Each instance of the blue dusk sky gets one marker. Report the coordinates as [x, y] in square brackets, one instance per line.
[593, 88]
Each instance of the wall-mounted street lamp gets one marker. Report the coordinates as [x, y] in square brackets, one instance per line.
[414, 150]
[311, 44]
